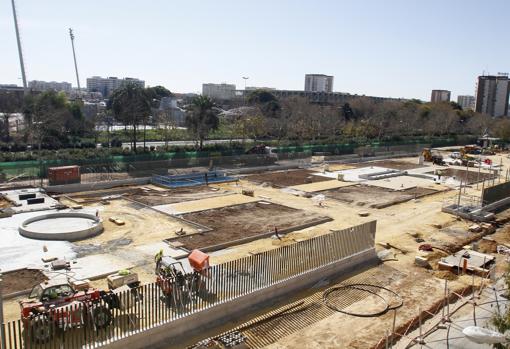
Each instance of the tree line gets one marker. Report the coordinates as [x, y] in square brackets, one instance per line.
[53, 122]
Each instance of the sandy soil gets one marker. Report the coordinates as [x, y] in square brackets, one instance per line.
[142, 226]
[363, 195]
[286, 178]
[4, 203]
[241, 221]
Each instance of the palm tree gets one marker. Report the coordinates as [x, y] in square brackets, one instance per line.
[201, 118]
[131, 105]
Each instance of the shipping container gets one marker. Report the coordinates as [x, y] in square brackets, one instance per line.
[64, 175]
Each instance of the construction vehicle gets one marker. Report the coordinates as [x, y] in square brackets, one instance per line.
[429, 156]
[63, 304]
[178, 286]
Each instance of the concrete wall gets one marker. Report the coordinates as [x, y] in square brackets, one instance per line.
[73, 188]
[496, 193]
[178, 333]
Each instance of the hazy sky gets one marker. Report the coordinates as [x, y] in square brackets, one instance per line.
[397, 48]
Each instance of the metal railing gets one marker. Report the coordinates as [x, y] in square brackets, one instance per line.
[117, 315]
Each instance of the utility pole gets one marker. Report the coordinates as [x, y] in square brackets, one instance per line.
[20, 53]
[71, 35]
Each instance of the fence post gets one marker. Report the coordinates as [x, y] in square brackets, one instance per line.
[2, 332]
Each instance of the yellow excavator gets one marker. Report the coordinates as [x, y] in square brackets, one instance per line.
[428, 156]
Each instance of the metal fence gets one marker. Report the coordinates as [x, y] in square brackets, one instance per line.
[91, 324]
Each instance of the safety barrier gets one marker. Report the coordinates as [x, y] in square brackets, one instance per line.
[113, 317]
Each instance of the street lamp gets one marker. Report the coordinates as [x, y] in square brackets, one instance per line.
[245, 78]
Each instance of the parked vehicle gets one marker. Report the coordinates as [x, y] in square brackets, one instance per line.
[60, 304]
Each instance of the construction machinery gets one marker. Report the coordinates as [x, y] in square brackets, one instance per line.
[429, 156]
[179, 287]
[63, 304]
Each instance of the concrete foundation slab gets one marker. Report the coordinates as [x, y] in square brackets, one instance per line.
[318, 186]
[98, 266]
[405, 182]
[353, 175]
[22, 205]
[151, 249]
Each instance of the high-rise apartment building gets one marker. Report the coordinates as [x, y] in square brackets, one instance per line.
[492, 94]
[107, 85]
[219, 91]
[440, 96]
[38, 85]
[318, 83]
[466, 102]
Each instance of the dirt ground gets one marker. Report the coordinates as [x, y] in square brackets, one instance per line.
[472, 176]
[142, 226]
[393, 164]
[242, 221]
[376, 197]
[287, 178]
[151, 195]
[21, 280]
[171, 196]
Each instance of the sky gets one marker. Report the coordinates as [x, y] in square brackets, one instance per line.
[389, 48]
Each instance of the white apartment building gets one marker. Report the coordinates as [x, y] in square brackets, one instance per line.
[221, 91]
[38, 85]
[318, 83]
[466, 102]
[107, 85]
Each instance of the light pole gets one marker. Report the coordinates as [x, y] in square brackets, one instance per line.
[245, 78]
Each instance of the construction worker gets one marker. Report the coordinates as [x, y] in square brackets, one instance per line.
[157, 258]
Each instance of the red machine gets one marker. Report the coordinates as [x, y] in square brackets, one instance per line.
[178, 286]
[59, 304]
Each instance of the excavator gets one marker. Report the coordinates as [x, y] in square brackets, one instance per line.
[436, 159]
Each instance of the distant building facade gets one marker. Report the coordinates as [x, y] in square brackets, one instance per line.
[219, 91]
[440, 96]
[492, 95]
[466, 102]
[107, 85]
[318, 83]
[38, 85]
[254, 88]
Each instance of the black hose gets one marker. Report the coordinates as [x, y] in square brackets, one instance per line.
[362, 287]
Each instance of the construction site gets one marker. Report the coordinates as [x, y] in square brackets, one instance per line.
[318, 252]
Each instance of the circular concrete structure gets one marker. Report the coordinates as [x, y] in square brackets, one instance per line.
[66, 226]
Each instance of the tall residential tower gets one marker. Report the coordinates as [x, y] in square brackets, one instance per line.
[318, 83]
[492, 94]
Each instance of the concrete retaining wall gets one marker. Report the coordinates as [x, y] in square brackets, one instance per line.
[73, 188]
[178, 333]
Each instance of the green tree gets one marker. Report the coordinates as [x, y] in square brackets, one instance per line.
[158, 92]
[201, 118]
[267, 103]
[131, 105]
